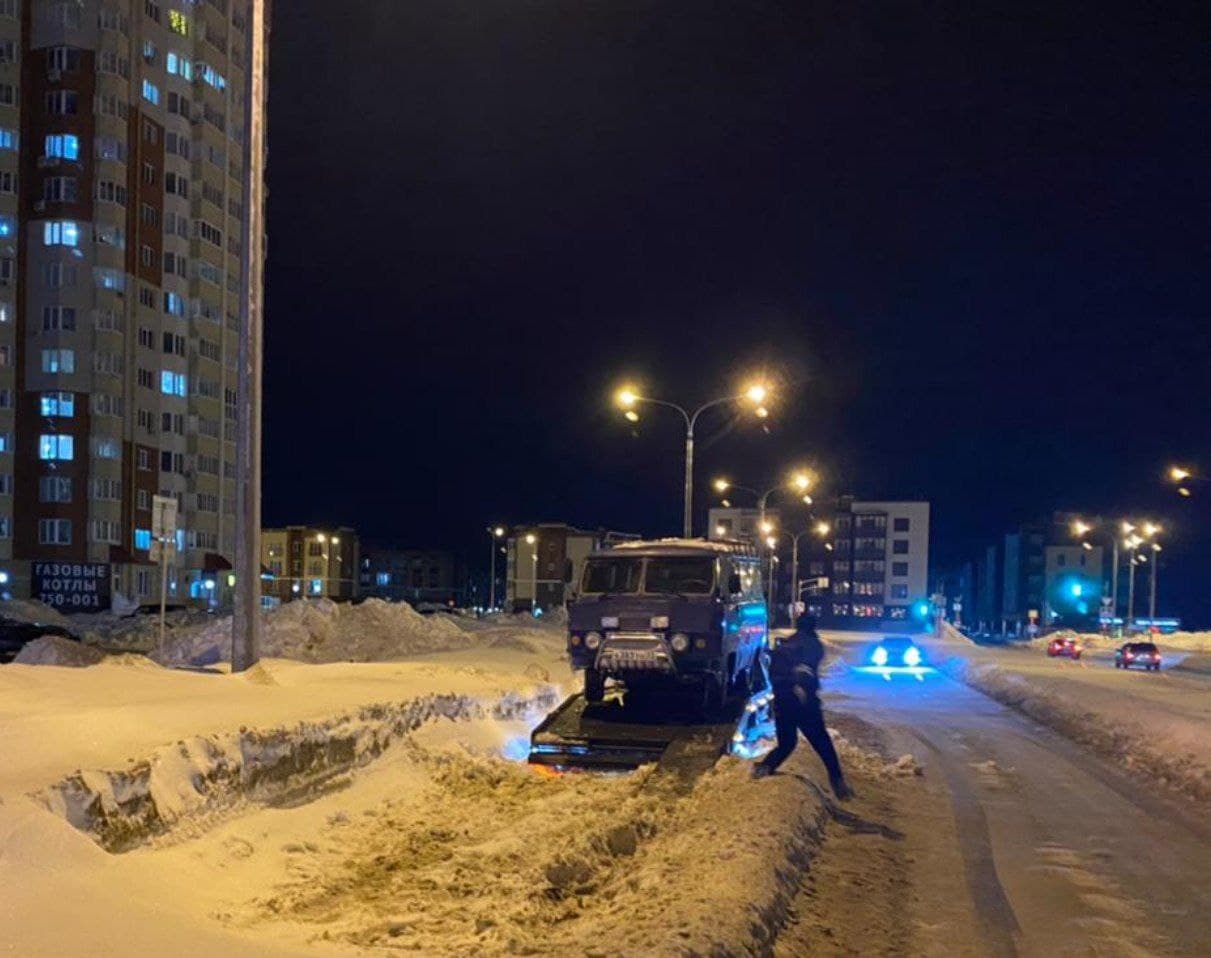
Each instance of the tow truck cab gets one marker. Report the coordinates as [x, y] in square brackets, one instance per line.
[670, 611]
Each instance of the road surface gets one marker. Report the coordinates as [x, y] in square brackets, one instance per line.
[1014, 842]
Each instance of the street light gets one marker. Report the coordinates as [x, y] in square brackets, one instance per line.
[1156, 561]
[629, 396]
[531, 540]
[495, 533]
[799, 481]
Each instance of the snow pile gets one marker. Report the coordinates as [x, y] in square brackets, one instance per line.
[1148, 742]
[323, 631]
[496, 858]
[201, 776]
[31, 610]
[56, 650]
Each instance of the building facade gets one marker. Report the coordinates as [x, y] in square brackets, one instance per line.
[874, 570]
[412, 575]
[544, 561]
[123, 222]
[307, 562]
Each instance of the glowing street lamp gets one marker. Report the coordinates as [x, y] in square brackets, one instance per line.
[628, 397]
[532, 540]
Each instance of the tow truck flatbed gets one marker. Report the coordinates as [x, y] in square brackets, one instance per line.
[610, 735]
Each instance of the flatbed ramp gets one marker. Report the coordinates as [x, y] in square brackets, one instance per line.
[610, 735]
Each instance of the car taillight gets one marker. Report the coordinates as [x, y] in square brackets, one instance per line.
[1130, 656]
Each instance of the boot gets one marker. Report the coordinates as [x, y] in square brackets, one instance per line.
[841, 788]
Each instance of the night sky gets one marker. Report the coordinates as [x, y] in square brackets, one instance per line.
[972, 246]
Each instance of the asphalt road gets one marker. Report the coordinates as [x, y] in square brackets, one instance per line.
[1018, 842]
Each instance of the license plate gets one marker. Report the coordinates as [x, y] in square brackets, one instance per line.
[634, 658]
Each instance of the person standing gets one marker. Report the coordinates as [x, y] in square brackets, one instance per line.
[795, 677]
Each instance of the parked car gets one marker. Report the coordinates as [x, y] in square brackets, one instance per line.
[15, 635]
[1138, 653]
[1064, 646]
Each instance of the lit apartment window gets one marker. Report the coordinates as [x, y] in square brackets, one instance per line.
[172, 384]
[60, 233]
[151, 92]
[143, 539]
[178, 65]
[54, 447]
[65, 146]
[54, 532]
[4, 446]
[8, 226]
[178, 22]
[58, 360]
[8, 139]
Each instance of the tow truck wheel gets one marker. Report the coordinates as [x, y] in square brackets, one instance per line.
[594, 686]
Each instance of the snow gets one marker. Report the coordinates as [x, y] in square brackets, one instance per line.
[56, 650]
[318, 806]
[31, 610]
[1154, 724]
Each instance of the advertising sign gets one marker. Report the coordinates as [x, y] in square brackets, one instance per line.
[72, 586]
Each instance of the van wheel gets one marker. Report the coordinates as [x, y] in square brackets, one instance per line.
[594, 686]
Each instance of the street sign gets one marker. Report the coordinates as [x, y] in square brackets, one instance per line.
[82, 586]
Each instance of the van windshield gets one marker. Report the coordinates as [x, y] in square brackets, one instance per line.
[611, 575]
[684, 575]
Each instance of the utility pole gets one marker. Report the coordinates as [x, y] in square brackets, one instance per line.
[246, 622]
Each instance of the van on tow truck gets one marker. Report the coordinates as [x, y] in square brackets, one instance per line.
[669, 614]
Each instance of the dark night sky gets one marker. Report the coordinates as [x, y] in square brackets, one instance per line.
[974, 244]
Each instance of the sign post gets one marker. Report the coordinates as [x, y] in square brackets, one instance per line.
[163, 546]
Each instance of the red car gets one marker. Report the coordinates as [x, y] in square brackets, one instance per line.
[1065, 646]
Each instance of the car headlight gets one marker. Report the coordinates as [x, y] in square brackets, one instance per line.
[680, 642]
[879, 656]
[592, 640]
[700, 643]
[912, 657]
[574, 640]
[659, 622]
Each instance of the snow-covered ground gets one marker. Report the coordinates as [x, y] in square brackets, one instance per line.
[329, 807]
[1157, 724]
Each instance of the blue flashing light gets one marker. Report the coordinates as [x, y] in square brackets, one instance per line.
[912, 656]
[879, 656]
[923, 610]
[1076, 590]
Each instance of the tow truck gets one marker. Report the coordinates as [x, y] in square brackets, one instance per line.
[671, 635]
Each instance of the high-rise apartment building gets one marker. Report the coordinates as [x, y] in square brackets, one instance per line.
[122, 225]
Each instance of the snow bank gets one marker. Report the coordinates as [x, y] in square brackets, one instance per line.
[31, 610]
[201, 776]
[324, 631]
[56, 650]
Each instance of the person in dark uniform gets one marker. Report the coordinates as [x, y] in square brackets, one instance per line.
[795, 675]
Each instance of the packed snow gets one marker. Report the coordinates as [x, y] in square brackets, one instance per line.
[1154, 724]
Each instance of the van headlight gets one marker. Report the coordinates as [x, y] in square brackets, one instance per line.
[680, 642]
[592, 640]
[574, 640]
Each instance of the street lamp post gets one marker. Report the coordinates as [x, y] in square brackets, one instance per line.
[495, 533]
[1156, 561]
[532, 541]
[628, 398]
